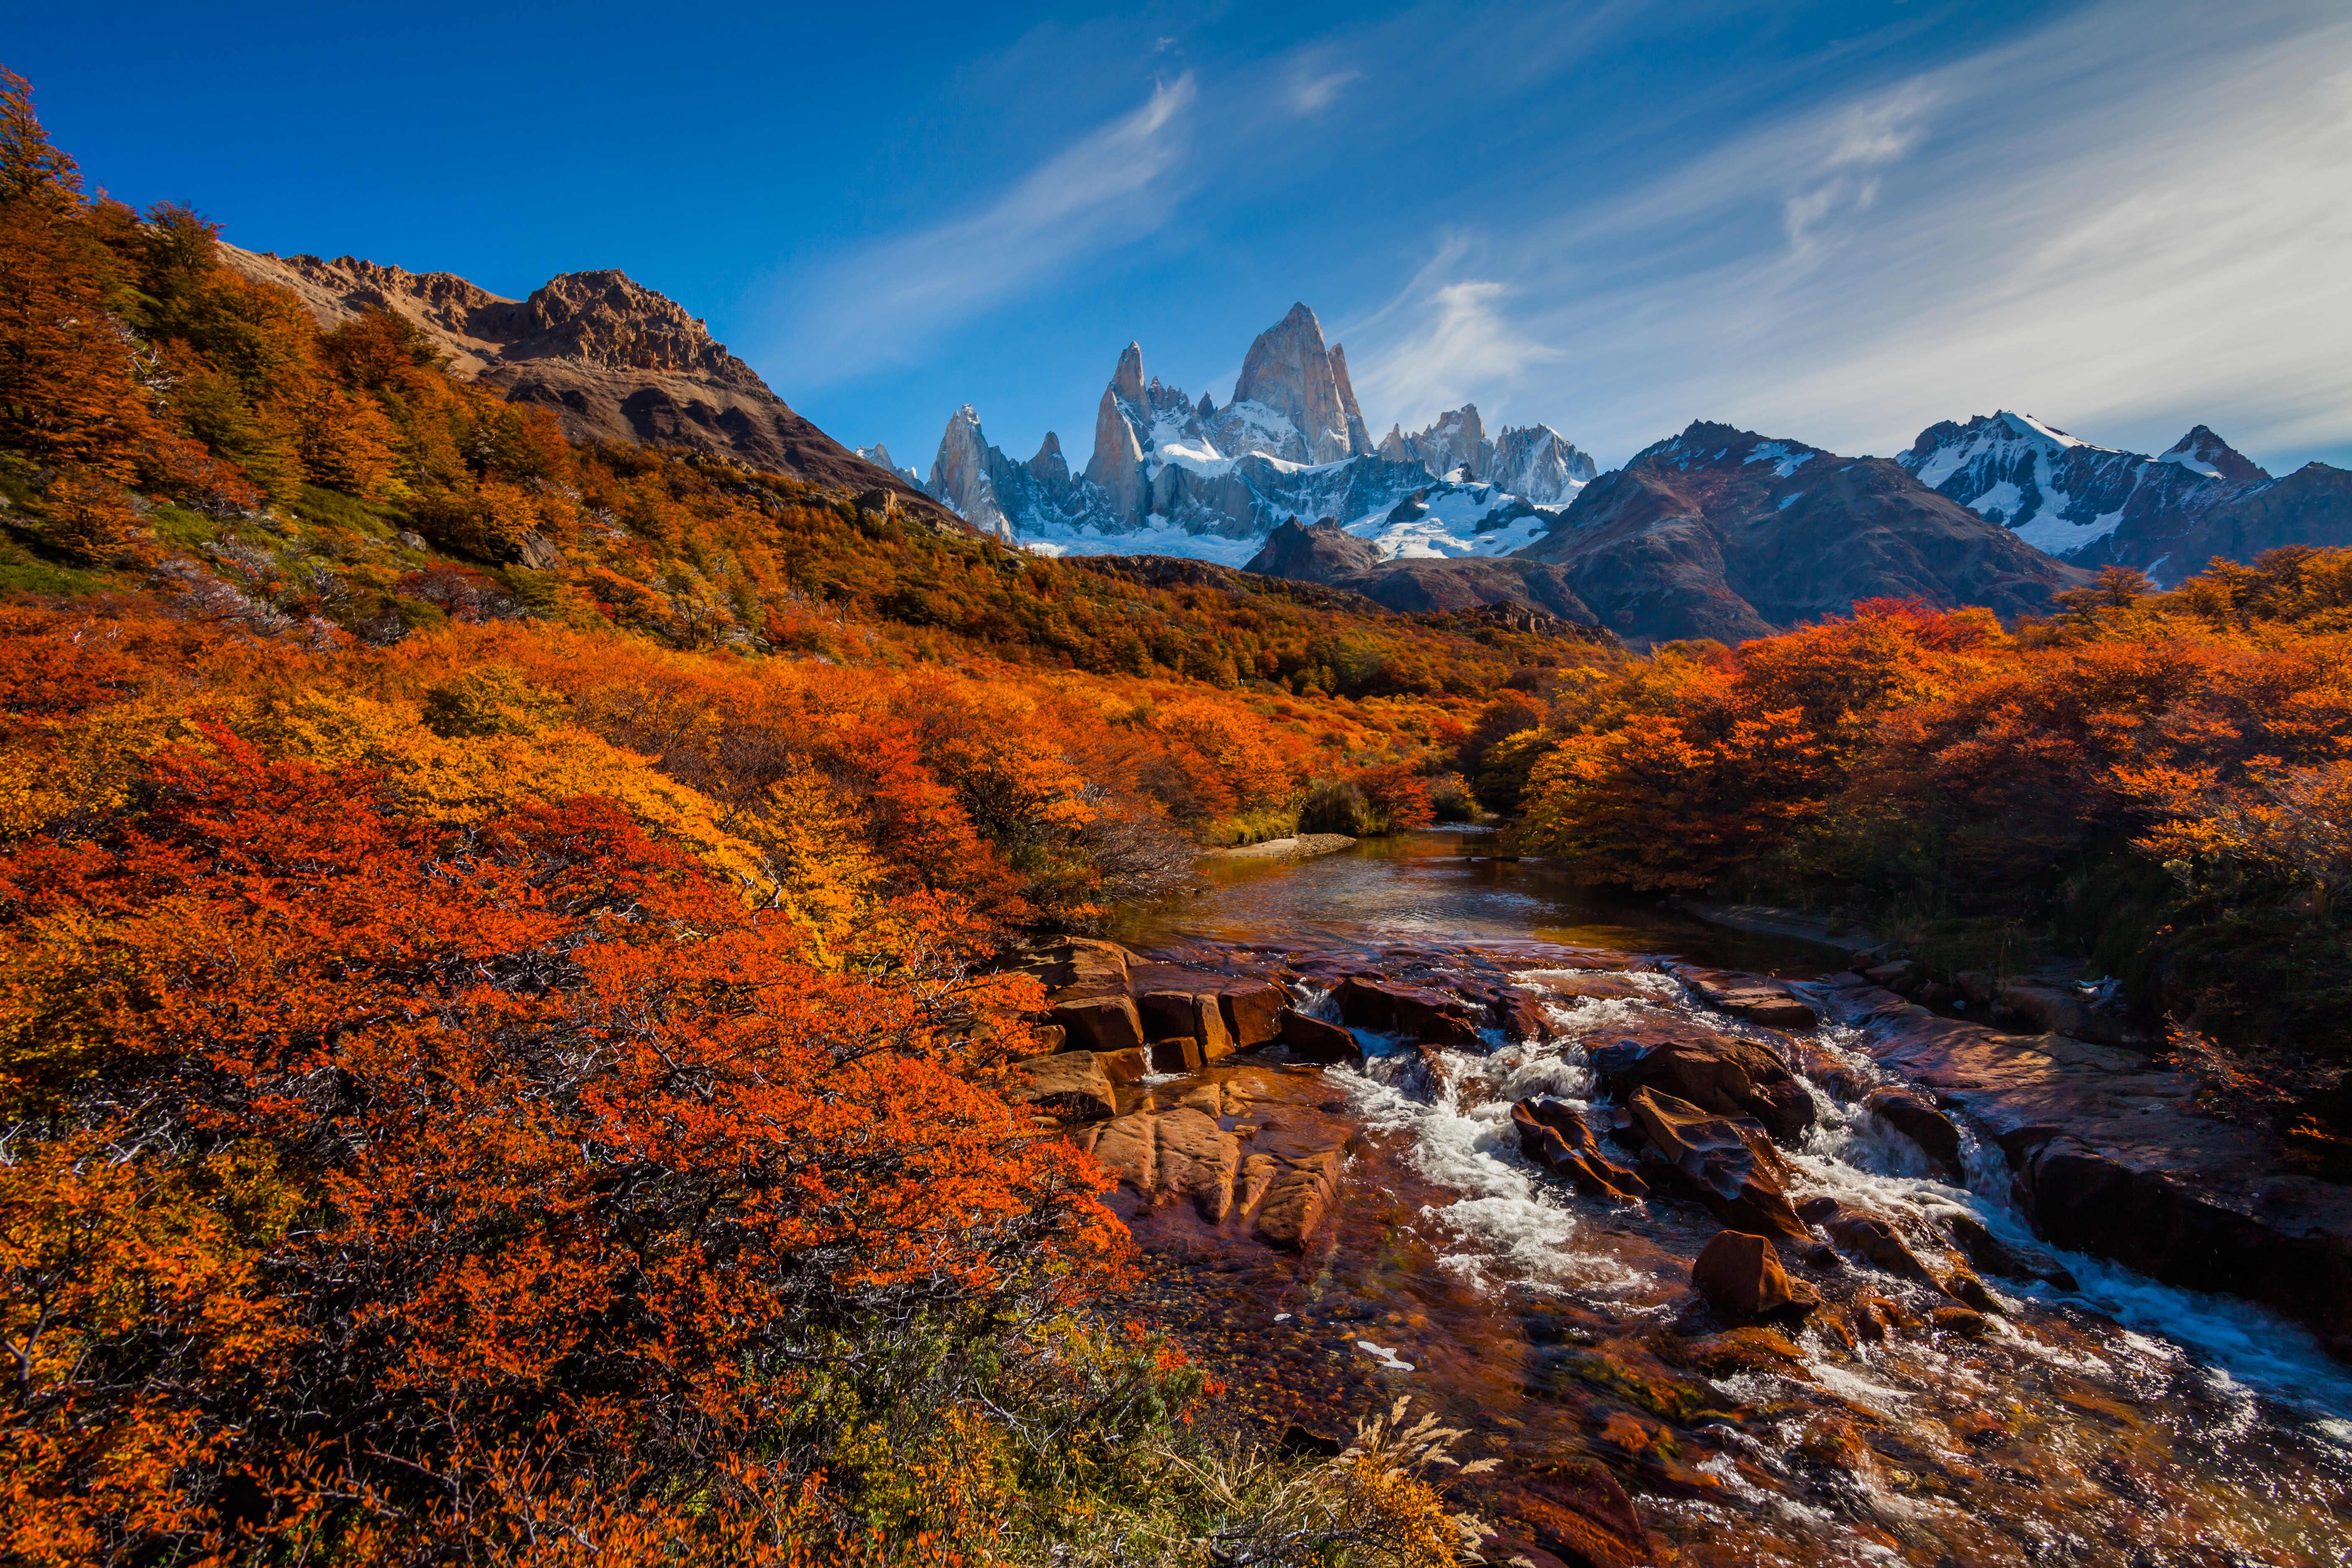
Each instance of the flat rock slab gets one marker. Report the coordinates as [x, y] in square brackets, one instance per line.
[2113, 1160]
[1256, 1150]
[1757, 998]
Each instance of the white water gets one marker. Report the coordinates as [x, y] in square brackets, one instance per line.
[1513, 1223]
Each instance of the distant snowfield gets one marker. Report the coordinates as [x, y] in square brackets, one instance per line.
[1448, 528]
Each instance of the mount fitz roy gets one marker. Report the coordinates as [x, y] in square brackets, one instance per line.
[1172, 474]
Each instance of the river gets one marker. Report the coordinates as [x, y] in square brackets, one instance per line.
[2118, 1421]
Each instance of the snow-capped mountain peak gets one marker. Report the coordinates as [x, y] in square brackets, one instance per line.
[2062, 494]
[1172, 475]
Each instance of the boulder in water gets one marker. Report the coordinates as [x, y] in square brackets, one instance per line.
[1298, 1195]
[1721, 1073]
[1923, 1125]
[1726, 1162]
[1741, 1274]
[1554, 1136]
[1416, 1010]
[1317, 1041]
[1875, 1241]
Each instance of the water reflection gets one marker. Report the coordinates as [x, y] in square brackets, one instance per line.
[1439, 886]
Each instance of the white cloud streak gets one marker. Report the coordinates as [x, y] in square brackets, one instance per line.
[2128, 222]
[1114, 185]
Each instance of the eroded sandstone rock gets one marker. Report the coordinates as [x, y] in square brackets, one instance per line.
[1391, 1006]
[1312, 1039]
[1253, 1013]
[1741, 1274]
[1721, 1073]
[1107, 1023]
[1555, 1137]
[1923, 1125]
[1072, 1084]
[1755, 997]
[1726, 1162]
[1299, 1195]
[2112, 1157]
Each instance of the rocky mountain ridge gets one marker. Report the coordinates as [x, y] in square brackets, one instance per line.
[1174, 474]
[2098, 506]
[612, 359]
[1721, 533]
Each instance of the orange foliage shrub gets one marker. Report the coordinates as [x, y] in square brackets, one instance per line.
[374, 1172]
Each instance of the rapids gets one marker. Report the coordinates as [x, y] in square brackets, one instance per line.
[2106, 1419]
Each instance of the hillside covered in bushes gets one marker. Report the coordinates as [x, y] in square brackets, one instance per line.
[500, 1060]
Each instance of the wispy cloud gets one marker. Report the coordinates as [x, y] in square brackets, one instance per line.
[1311, 91]
[1113, 185]
[1452, 340]
[2126, 221]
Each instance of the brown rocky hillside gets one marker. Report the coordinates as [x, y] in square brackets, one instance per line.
[616, 361]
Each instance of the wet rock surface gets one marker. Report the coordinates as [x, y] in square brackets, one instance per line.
[2110, 1157]
[1488, 1222]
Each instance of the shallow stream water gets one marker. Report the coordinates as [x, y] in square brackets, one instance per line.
[2120, 1421]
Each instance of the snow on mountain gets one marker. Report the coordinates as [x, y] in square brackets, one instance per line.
[879, 456]
[1171, 475]
[2064, 496]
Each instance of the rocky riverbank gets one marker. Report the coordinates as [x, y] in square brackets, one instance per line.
[1606, 1207]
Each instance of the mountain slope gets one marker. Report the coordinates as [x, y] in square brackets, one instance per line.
[1719, 533]
[612, 359]
[2098, 506]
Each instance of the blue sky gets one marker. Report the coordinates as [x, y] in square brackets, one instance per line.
[1838, 222]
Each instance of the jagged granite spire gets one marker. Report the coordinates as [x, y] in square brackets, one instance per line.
[1288, 371]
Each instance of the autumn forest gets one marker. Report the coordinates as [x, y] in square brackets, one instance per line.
[504, 1047]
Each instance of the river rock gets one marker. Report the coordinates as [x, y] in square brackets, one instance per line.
[1554, 1136]
[1177, 1053]
[1741, 1274]
[1106, 1023]
[1072, 1085]
[1209, 1027]
[1715, 1072]
[1165, 1013]
[1078, 965]
[1253, 1013]
[1390, 1006]
[2111, 1157]
[1966, 1322]
[1044, 1039]
[1123, 1066]
[1175, 1154]
[1875, 1241]
[1298, 1195]
[1967, 1289]
[1569, 1513]
[1757, 998]
[1923, 1125]
[1314, 1040]
[1727, 1163]
[1993, 1255]
[1598, 985]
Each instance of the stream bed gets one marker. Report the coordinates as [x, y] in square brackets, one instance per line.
[2105, 1418]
